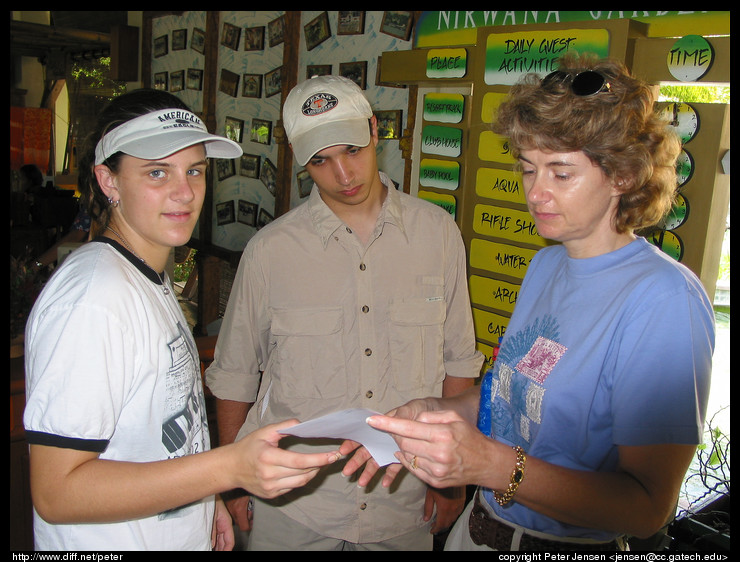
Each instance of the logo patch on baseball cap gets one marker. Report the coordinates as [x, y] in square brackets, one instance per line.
[318, 104]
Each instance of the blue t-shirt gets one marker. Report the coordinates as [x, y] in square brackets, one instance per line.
[599, 352]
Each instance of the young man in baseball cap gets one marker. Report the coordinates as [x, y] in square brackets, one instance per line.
[355, 299]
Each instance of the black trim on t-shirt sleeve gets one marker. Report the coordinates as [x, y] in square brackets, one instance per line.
[52, 440]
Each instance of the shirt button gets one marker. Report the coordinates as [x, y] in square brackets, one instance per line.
[363, 267]
[363, 506]
[366, 309]
[369, 394]
[368, 351]
[349, 230]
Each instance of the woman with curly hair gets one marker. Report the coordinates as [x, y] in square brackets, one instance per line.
[580, 434]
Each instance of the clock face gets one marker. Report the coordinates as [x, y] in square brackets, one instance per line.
[684, 168]
[684, 119]
[668, 242]
[690, 58]
[678, 213]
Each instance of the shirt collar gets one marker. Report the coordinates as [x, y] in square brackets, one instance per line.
[326, 222]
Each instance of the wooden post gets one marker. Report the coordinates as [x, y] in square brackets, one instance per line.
[289, 79]
[209, 291]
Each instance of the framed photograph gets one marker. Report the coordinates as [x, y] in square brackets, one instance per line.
[198, 40]
[250, 166]
[177, 81]
[305, 183]
[230, 36]
[263, 218]
[224, 168]
[254, 38]
[161, 81]
[261, 131]
[355, 71]
[273, 82]
[317, 70]
[246, 213]
[179, 39]
[389, 123]
[350, 22]
[268, 175]
[229, 83]
[252, 85]
[234, 129]
[317, 30]
[194, 79]
[276, 31]
[397, 24]
[160, 46]
[225, 213]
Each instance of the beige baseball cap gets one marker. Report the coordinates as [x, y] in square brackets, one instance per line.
[161, 133]
[325, 111]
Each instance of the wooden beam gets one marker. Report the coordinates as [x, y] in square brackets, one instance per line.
[289, 79]
[209, 265]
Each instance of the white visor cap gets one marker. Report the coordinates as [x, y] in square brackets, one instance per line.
[325, 111]
[161, 133]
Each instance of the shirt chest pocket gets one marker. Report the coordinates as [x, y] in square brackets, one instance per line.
[309, 358]
[417, 344]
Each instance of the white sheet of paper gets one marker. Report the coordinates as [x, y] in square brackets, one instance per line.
[350, 424]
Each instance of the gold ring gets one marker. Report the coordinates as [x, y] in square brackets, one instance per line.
[413, 463]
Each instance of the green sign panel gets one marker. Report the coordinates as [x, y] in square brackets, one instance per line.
[447, 63]
[443, 108]
[441, 141]
[441, 174]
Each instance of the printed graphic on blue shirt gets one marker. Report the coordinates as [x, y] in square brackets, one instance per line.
[512, 392]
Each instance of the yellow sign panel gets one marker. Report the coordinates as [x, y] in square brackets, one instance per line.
[510, 224]
[500, 184]
[494, 148]
[489, 326]
[489, 108]
[500, 258]
[493, 293]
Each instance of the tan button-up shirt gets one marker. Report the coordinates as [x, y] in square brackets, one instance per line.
[318, 322]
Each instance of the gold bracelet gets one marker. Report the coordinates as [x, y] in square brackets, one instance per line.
[516, 478]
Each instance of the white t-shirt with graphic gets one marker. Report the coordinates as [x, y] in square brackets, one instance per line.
[112, 368]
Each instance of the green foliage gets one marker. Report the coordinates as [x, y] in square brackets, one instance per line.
[724, 260]
[92, 76]
[182, 270]
[710, 471]
[696, 94]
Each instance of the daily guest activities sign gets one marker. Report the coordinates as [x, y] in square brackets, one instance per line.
[510, 55]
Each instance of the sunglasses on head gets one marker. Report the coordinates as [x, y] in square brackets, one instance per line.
[586, 83]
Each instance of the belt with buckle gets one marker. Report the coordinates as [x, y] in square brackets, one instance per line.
[485, 530]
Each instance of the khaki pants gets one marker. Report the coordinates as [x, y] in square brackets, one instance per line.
[273, 530]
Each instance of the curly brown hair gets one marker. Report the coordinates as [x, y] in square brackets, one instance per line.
[618, 130]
